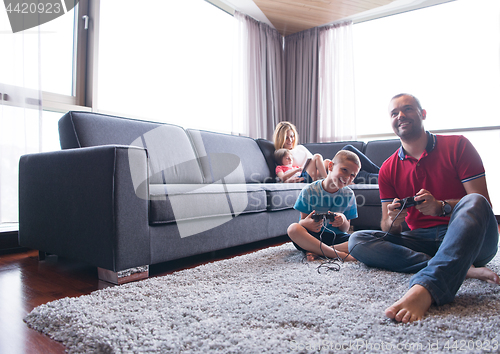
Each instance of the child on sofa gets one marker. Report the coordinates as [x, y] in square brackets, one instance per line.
[285, 168]
[286, 136]
[329, 195]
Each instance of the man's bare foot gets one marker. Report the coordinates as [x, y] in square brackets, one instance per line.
[412, 306]
[483, 273]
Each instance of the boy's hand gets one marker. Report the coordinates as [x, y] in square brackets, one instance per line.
[311, 225]
[339, 220]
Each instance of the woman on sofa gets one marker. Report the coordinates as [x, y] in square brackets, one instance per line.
[286, 137]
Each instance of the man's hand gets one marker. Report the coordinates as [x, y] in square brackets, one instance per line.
[430, 205]
[396, 216]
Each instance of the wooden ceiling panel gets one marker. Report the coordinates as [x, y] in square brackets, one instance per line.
[291, 16]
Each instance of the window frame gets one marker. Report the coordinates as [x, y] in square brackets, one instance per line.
[84, 57]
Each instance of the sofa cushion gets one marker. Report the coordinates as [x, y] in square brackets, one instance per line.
[379, 150]
[84, 129]
[267, 148]
[328, 150]
[180, 202]
[253, 167]
[171, 155]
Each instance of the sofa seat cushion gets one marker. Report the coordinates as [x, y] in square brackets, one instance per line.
[176, 202]
[282, 196]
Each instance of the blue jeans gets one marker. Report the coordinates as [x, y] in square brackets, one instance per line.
[440, 256]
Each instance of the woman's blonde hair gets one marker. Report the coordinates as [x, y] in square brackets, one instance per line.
[279, 135]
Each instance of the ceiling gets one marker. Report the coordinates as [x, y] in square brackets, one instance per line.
[291, 16]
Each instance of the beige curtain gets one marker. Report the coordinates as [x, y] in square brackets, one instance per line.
[258, 102]
[301, 63]
[336, 112]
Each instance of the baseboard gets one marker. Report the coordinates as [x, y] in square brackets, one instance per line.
[9, 242]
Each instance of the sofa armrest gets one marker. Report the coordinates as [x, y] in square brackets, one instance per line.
[81, 203]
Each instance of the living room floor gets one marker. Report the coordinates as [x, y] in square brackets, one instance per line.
[26, 282]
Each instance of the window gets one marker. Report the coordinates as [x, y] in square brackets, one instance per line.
[166, 61]
[56, 49]
[447, 56]
[44, 61]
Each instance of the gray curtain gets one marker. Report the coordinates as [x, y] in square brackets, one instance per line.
[301, 67]
[259, 101]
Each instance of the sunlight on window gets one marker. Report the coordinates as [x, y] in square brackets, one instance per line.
[56, 52]
[56, 49]
[483, 141]
[167, 61]
[50, 131]
[446, 55]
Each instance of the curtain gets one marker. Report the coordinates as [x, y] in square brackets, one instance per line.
[20, 111]
[301, 63]
[258, 102]
[336, 84]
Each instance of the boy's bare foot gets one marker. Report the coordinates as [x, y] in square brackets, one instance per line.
[345, 257]
[483, 273]
[311, 256]
[412, 306]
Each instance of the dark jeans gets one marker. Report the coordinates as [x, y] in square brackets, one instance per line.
[368, 173]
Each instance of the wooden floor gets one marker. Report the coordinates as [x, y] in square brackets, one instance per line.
[26, 283]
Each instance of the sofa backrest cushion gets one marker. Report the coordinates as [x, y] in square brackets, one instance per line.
[217, 152]
[379, 150]
[328, 150]
[171, 155]
[267, 148]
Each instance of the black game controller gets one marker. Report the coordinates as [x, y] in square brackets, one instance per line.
[320, 216]
[408, 202]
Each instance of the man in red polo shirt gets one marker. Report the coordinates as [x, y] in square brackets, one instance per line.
[453, 230]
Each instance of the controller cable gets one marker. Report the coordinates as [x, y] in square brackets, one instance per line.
[332, 263]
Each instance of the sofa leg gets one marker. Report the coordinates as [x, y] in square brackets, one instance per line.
[41, 255]
[123, 276]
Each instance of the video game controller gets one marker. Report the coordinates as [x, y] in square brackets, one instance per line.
[328, 216]
[408, 202]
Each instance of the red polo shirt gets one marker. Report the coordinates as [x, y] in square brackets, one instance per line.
[447, 162]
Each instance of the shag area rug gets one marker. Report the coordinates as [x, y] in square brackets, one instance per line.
[269, 301]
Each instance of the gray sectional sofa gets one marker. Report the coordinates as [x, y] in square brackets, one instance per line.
[123, 194]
